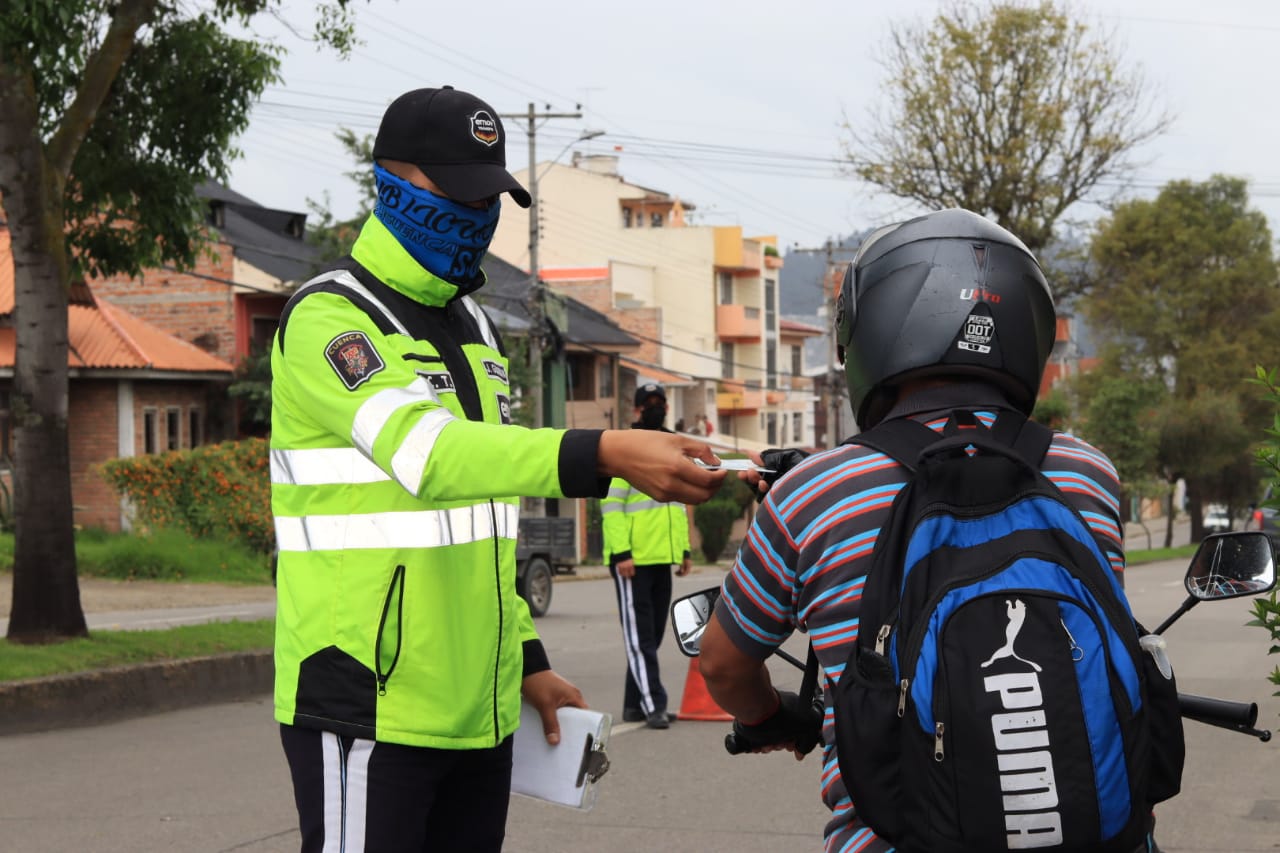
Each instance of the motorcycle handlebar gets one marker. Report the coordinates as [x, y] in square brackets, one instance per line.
[1236, 716]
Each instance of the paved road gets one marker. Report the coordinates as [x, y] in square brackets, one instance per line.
[212, 779]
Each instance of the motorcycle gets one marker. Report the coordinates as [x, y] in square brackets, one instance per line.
[1226, 566]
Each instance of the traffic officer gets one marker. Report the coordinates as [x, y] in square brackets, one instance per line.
[402, 648]
[643, 537]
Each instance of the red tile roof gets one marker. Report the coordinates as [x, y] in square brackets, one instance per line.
[102, 335]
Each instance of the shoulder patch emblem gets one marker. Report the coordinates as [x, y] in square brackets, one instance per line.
[353, 358]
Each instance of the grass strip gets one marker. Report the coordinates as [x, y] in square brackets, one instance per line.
[116, 648]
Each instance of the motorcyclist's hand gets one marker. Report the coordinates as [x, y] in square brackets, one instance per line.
[779, 460]
[546, 691]
[660, 464]
[626, 568]
[792, 726]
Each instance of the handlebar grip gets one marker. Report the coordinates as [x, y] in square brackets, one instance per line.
[732, 746]
[1218, 712]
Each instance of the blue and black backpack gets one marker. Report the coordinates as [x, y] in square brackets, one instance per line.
[997, 697]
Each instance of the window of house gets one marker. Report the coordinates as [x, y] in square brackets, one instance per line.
[626, 217]
[770, 309]
[173, 428]
[726, 288]
[150, 431]
[655, 220]
[797, 427]
[605, 372]
[771, 364]
[797, 361]
[195, 427]
[772, 429]
[582, 376]
[726, 360]
[264, 330]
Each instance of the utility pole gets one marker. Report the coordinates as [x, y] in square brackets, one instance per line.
[834, 382]
[535, 298]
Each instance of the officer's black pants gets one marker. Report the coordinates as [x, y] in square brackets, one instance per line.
[643, 602]
[358, 796]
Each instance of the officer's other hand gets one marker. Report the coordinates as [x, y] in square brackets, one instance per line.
[686, 565]
[660, 464]
[626, 568]
[547, 691]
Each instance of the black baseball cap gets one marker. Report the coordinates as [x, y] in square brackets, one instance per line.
[455, 138]
[650, 389]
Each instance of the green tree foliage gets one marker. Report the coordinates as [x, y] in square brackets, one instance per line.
[334, 236]
[714, 518]
[112, 112]
[1185, 293]
[1266, 611]
[1011, 110]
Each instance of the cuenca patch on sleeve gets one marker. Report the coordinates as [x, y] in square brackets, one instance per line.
[353, 358]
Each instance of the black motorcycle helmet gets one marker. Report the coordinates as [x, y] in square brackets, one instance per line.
[946, 294]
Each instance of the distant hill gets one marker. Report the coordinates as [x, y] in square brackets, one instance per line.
[800, 285]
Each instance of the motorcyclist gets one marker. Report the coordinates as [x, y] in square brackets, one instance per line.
[940, 313]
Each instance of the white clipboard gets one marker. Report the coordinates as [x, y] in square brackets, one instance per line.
[565, 774]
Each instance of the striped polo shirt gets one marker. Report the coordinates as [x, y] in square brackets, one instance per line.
[806, 556]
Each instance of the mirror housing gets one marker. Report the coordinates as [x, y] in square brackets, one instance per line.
[1231, 565]
[689, 617]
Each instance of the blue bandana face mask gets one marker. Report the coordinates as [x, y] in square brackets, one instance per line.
[447, 238]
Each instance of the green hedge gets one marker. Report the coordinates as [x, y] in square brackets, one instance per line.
[220, 491]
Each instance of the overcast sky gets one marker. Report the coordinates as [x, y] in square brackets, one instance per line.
[736, 107]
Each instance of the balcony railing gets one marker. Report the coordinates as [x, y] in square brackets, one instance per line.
[736, 397]
[738, 323]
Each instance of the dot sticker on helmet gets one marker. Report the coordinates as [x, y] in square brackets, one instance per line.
[978, 330]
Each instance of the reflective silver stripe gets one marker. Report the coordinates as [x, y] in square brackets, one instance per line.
[482, 320]
[347, 280]
[637, 506]
[410, 460]
[618, 493]
[374, 413]
[323, 466]
[420, 529]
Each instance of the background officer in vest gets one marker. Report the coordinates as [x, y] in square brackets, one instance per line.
[402, 648]
[643, 537]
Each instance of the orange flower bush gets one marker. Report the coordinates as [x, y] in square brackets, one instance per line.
[220, 491]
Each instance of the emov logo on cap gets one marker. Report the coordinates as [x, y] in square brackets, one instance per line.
[484, 128]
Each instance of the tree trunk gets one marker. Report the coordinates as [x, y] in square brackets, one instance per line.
[46, 595]
[1168, 519]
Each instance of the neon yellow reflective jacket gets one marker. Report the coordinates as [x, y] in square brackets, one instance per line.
[395, 473]
[637, 527]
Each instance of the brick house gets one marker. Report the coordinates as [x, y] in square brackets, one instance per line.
[229, 304]
[133, 389]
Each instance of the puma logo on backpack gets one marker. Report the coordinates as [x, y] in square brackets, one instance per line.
[997, 697]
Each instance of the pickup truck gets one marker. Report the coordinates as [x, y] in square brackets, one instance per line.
[544, 546]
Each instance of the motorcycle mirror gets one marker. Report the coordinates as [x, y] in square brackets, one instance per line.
[1231, 565]
[689, 618]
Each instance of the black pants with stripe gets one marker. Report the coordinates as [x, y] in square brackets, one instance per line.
[643, 602]
[360, 796]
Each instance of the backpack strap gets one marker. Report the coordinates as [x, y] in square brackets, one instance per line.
[901, 439]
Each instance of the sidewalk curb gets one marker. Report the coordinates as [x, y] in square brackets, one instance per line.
[107, 695]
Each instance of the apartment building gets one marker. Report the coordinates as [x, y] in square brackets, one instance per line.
[701, 300]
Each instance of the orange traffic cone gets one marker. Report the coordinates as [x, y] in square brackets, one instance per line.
[697, 704]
